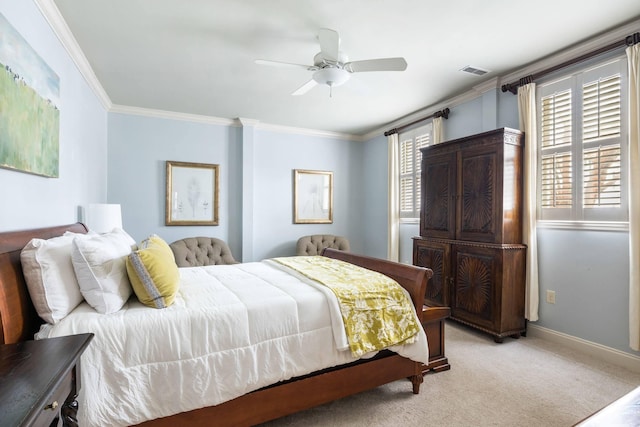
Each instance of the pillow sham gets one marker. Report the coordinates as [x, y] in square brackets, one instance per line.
[99, 262]
[153, 273]
[50, 277]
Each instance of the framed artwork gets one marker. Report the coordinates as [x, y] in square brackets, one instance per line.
[312, 197]
[192, 194]
[29, 102]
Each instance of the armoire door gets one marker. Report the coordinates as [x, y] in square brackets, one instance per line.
[475, 293]
[480, 182]
[436, 256]
[438, 194]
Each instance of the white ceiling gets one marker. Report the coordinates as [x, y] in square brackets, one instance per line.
[197, 56]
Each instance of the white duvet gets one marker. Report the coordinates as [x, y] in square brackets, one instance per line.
[232, 329]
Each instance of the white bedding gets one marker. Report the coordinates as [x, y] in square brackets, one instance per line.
[232, 329]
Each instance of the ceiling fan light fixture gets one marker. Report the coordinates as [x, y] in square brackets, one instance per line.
[331, 76]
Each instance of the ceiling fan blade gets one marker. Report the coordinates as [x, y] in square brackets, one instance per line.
[329, 44]
[382, 64]
[305, 88]
[285, 64]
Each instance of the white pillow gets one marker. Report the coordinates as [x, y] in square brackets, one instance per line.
[50, 277]
[99, 263]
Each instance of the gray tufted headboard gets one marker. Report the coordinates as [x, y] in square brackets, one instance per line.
[199, 251]
[313, 245]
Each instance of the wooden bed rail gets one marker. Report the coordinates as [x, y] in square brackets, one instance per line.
[414, 279]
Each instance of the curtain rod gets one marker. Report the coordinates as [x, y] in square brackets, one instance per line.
[443, 113]
[627, 41]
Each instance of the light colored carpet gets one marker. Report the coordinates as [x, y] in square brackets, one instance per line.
[526, 382]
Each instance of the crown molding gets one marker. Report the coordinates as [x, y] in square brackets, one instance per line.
[52, 15]
[310, 132]
[490, 84]
[238, 122]
[57, 23]
[248, 122]
[449, 103]
[495, 83]
[575, 51]
[172, 115]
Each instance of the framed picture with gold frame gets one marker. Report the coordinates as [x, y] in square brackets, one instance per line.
[312, 197]
[192, 193]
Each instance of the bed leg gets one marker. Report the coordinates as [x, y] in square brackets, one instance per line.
[416, 380]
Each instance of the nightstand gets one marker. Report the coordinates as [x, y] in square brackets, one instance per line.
[39, 381]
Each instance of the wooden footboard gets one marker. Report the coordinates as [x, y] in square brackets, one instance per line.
[322, 387]
[296, 395]
[18, 322]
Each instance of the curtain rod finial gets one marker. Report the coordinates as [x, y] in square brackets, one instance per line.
[510, 87]
[632, 39]
[443, 113]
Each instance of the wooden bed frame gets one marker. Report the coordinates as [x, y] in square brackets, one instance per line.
[19, 321]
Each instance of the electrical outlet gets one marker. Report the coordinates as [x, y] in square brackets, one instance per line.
[551, 297]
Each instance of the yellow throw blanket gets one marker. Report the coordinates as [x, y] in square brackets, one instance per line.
[375, 309]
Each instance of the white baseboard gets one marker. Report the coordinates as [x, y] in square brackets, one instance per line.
[608, 354]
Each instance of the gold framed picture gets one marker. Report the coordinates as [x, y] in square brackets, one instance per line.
[312, 197]
[192, 193]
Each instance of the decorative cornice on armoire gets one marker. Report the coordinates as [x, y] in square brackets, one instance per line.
[59, 26]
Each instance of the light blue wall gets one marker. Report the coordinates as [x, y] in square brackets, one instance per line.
[31, 201]
[375, 183]
[138, 149]
[277, 155]
[589, 271]
[264, 160]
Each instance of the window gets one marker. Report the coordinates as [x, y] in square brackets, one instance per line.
[410, 162]
[583, 145]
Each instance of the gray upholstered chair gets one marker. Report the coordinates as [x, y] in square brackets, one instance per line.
[313, 245]
[199, 251]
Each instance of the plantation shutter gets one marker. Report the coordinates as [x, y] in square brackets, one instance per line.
[421, 141]
[556, 170]
[582, 150]
[410, 165]
[601, 138]
[406, 176]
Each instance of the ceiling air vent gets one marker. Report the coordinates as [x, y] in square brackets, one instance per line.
[474, 70]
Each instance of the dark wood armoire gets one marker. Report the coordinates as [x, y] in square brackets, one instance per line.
[471, 230]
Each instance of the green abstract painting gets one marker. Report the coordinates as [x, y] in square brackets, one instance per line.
[29, 107]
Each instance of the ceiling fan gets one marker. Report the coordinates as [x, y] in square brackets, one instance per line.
[331, 67]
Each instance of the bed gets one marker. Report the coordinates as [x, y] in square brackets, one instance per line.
[19, 322]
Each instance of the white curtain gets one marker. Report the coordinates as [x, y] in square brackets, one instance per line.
[633, 56]
[438, 130]
[528, 124]
[393, 239]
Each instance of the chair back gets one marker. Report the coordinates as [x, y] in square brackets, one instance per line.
[315, 244]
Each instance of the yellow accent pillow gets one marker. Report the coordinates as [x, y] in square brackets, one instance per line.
[153, 273]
